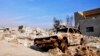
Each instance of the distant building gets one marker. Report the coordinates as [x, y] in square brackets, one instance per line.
[88, 22]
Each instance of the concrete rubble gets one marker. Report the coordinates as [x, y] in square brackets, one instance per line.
[91, 46]
[25, 38]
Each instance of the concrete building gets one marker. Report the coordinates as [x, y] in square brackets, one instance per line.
[88, 22]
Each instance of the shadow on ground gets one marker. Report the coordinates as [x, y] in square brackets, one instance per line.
[39, 49]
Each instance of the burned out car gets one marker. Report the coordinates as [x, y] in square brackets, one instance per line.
[64, 38]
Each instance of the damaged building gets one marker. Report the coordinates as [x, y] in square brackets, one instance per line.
[88, 22]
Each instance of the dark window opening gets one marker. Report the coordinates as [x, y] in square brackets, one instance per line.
[89, 29]
[71, 30]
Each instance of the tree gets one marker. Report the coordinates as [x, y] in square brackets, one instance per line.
[20, 27]
[70, 20]
[56, 23]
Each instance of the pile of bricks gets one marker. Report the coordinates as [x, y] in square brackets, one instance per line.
[91, 47]
[78, 51]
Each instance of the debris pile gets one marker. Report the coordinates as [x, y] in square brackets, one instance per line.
[71, 43]
[21, 35]
[91, 47]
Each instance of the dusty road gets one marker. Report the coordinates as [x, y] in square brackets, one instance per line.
[9, 49]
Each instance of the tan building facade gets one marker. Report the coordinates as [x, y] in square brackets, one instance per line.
[88, 22]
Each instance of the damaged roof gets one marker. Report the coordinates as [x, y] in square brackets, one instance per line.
[91, 12]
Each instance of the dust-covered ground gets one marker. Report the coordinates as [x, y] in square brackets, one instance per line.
[9, 49]
[16, 43]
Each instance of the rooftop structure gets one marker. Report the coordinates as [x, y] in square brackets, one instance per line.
[88, 22]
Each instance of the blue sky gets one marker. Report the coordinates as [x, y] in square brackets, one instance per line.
[40, 13]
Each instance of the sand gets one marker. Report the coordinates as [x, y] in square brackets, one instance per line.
[9, 49]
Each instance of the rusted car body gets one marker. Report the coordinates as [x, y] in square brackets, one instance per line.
[64, 38]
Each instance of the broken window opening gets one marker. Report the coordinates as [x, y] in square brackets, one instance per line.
[89, 29]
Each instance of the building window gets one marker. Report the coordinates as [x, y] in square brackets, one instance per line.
[89, 29]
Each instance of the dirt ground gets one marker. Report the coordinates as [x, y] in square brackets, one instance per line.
[9, 49]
